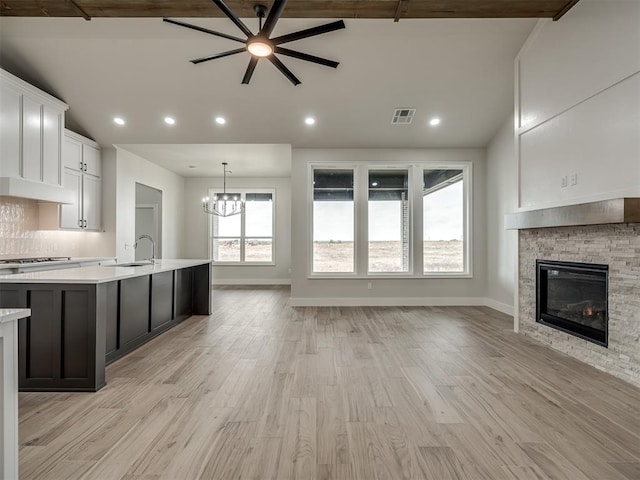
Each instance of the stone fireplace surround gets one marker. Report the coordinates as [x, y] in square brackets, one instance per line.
[617, 245]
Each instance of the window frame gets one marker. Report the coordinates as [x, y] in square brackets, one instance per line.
[410, 181]
[335, 166]
[361, 225]
[243, 237]
[467, 220]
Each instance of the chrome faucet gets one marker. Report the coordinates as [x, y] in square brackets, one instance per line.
[153, 247]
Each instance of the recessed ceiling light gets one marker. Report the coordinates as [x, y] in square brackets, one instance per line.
[310, 121]
[169, 120]
[118, 120]
[221, 120]
[434, 121]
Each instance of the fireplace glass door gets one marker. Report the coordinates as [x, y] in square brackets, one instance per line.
[572, 297]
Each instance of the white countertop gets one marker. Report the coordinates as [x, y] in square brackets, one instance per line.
[101, 274]
[12, 314]
[72, 260]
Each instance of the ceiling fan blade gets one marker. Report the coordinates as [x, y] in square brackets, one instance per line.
[250, 68]
[232, 16]
[284, 70]
[218, 55]
[272, 18]
[309, 32]
[204, 30]
[306, 57]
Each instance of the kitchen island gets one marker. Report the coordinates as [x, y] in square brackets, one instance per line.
[38, 264]
[84, 318]
[9, 390]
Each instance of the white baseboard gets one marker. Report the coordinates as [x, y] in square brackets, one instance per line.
[386, 302]
[251, 281]
[401, 302]
[499, 306]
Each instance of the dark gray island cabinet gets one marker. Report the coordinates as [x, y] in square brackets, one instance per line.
[82, 319]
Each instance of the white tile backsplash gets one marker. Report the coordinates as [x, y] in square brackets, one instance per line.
[20, 237]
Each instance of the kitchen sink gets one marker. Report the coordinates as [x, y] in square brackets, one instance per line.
[131, 264]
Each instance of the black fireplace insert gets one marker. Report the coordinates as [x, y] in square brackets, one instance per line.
[572, 297]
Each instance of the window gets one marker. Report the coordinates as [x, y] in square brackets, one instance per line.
[389, 224]
[443, 221]
[408, 220]
[333, 221]
[246, 237]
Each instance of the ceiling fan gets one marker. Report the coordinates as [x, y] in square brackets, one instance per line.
[261, 45]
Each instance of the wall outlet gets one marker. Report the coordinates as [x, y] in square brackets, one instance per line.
[563, 182]
[573, 180]
[369, 286]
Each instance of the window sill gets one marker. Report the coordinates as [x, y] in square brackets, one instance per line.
[390, 277]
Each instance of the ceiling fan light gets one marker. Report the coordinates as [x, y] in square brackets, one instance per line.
[260, 48]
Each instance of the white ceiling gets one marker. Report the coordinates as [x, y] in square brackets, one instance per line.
[205, 160]
[458, 70]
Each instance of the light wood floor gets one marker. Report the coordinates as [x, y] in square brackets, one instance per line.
[260, 390]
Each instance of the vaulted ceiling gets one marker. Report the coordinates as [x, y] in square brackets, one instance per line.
[295, 8]
[457, 69]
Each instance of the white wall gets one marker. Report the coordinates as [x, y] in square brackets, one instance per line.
[130, 169]
[418, 291]
[578, 106]
[196, 233]
[501, 198]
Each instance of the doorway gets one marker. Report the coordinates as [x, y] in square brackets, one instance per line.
[148, 220]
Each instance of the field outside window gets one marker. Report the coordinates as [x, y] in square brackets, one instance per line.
[389, 202]
[333, 221]
[246, 237]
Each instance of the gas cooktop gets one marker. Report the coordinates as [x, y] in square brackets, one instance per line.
[33, 260]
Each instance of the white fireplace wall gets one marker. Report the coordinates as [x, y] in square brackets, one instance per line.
[577, 114]
[578, 106]
[500, 198]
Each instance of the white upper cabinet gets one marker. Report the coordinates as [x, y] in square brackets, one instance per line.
[81, 161]
[51, 128]
[31, 125]
[31, 140]
[91, 160]
[71, 214]
[91, 202]
[10, 115]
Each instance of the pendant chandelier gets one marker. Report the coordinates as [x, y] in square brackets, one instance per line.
[224, 205]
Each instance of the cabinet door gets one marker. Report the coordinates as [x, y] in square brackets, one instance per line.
[51, 161]
[10, 132]
[31, 139]
[134, 309]
[71, 215]
[161, 299]
[71, 153]
[91, 159]
[184, 293]
[91, 202]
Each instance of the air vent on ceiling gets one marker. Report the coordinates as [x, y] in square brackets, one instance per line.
[403, 115]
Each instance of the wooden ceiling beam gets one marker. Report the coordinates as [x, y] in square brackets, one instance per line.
[392, 9]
